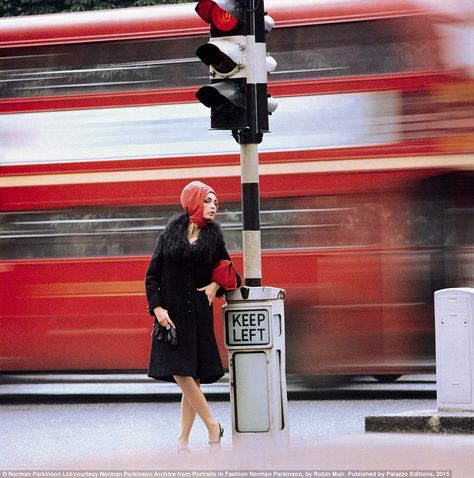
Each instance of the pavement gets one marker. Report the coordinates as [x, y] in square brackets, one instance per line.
[448, 456]
[52, 446]
[359, 455]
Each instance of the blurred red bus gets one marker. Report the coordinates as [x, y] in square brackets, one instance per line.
[365, 197]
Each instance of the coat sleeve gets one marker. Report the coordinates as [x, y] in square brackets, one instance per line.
[153, 278]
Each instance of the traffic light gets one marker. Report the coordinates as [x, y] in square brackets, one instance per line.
[236, 56]
[226, 95]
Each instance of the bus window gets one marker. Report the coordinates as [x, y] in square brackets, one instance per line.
[318, 51]
[354, 48]
[345, 221]
[101, 67]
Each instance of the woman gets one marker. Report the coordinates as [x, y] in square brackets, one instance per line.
[180, 294]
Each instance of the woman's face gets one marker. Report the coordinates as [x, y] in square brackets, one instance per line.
[210, 207]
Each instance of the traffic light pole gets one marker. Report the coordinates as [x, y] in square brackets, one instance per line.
[251, 215]
[256, 355]
[254, 319]
[249, 140]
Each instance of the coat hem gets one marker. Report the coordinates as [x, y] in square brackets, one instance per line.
[170, 378]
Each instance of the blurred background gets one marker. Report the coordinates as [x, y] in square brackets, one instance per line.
[365, 179]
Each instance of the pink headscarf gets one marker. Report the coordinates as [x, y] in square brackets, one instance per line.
[192, 200]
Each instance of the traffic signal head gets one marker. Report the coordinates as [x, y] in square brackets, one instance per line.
[224, 53]
[238, 66]
[226, 17]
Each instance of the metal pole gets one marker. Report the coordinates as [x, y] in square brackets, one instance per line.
[248, 140]
[256, 346]
[251, 215]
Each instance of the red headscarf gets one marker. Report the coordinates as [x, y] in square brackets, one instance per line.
[192, 200]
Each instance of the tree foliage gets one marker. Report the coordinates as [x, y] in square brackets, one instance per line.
[35, 7]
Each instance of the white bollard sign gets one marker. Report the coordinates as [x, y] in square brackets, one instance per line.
[454, 330]
[247, 327]
[254, 334]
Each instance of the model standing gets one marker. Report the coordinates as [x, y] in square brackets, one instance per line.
[180, 294]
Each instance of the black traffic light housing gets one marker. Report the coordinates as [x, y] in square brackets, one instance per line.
[226, 95]
[238, 66]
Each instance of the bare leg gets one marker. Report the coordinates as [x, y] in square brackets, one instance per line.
[196, 399]
[188, 414]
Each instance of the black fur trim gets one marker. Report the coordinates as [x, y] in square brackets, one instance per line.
[203, 251]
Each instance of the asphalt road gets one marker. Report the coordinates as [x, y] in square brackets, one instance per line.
[67, 388]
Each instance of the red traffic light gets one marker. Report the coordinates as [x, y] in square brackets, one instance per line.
[223, 20]
[212, 13]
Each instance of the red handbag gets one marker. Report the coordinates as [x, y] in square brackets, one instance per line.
[225, 275]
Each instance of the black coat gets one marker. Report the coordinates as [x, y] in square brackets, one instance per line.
[176, 270]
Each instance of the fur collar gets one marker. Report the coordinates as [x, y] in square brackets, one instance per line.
[203, 251]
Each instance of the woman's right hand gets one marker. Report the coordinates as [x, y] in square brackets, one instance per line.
[162, 317]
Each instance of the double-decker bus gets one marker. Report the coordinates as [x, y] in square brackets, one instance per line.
[365, 180]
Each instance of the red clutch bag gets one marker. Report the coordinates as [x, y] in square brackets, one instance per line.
[224, 274]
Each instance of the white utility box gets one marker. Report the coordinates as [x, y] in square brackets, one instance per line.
[454, 330]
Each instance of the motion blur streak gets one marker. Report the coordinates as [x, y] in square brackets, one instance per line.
[366, 178]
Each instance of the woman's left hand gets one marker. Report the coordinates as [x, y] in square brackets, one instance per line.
[211, 291]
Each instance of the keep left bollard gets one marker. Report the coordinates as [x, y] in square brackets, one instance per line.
[254, 332]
